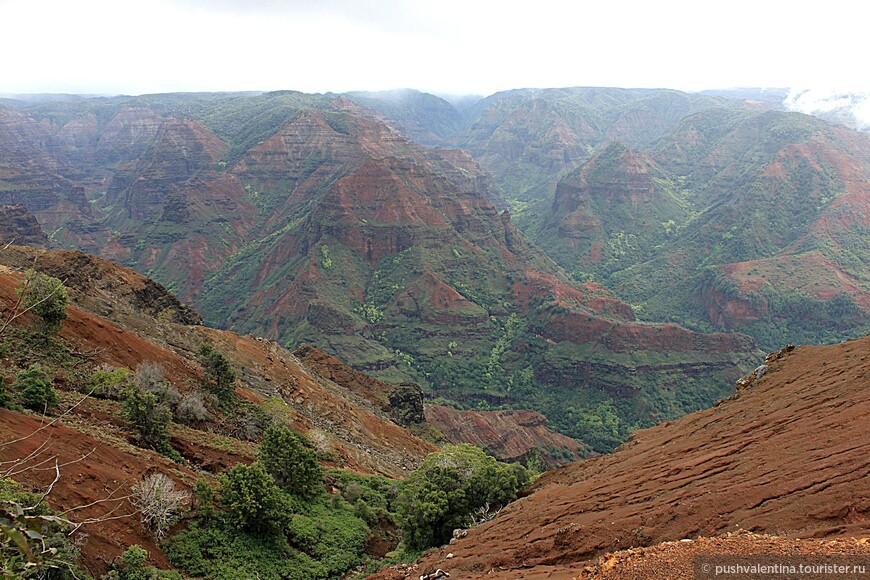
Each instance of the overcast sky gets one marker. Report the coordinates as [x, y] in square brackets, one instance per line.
[444, 46]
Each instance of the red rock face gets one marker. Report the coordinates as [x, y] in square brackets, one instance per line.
[629, 181]
[28, 172]
[127, 136]
[173, 153]
[509, 436]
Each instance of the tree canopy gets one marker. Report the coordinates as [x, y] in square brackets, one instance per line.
[449, 488]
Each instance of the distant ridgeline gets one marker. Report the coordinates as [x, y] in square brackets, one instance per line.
[323, 219]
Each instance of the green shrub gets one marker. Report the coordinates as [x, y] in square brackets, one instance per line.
[203, 494]
[449, 489]
[318, 539]
[5, 399]
[131, 566]
[33, 542]
[108, 382]
[292, 460]
[35, 389]
[222, 552]
[252, 499]
[149, 418]
[219, 374]
[47, 297]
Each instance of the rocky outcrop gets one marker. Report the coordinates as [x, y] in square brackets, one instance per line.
[104, 287]
[19, 226]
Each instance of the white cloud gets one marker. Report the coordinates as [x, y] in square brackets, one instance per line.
[851, 108]
[446, 45]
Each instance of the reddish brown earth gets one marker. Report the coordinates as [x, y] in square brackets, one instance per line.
[506, 435]
[330, 368]
[786, 456]
[113, 320]
[364, 437]
[92, 469]
[677, 560]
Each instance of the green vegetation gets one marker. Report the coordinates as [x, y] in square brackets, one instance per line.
[219, 373]
[291, 460]
[453, 489]
[47, 297]
[148, 416]
[252, 501]
[33, 542]
[325, 260]
[108, 382]
[131, 566]
[291, 530]
[35, 390]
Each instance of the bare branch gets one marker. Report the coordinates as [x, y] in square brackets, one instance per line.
[50, 486]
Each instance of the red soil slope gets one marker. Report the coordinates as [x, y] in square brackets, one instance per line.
[112, 321]
[677, 560]
[789, 455]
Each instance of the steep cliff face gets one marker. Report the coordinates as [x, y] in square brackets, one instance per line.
[426, 119]
[611, 213]
[528, 139]
[30, 175]
[19, 226]
[510, 436]
[165, 156]
[781, 204]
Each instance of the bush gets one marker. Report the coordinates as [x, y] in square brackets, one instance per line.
[47, 297]
[219, 374]
[450, 489]
[33, 542]
[291, 459]
[5, 399]
[252, 500]
[108, 382]
[191, 409]
[150, 378]
[204, 495]
[159, 502]
[35, 388]
[131, 566]
[148, 417]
